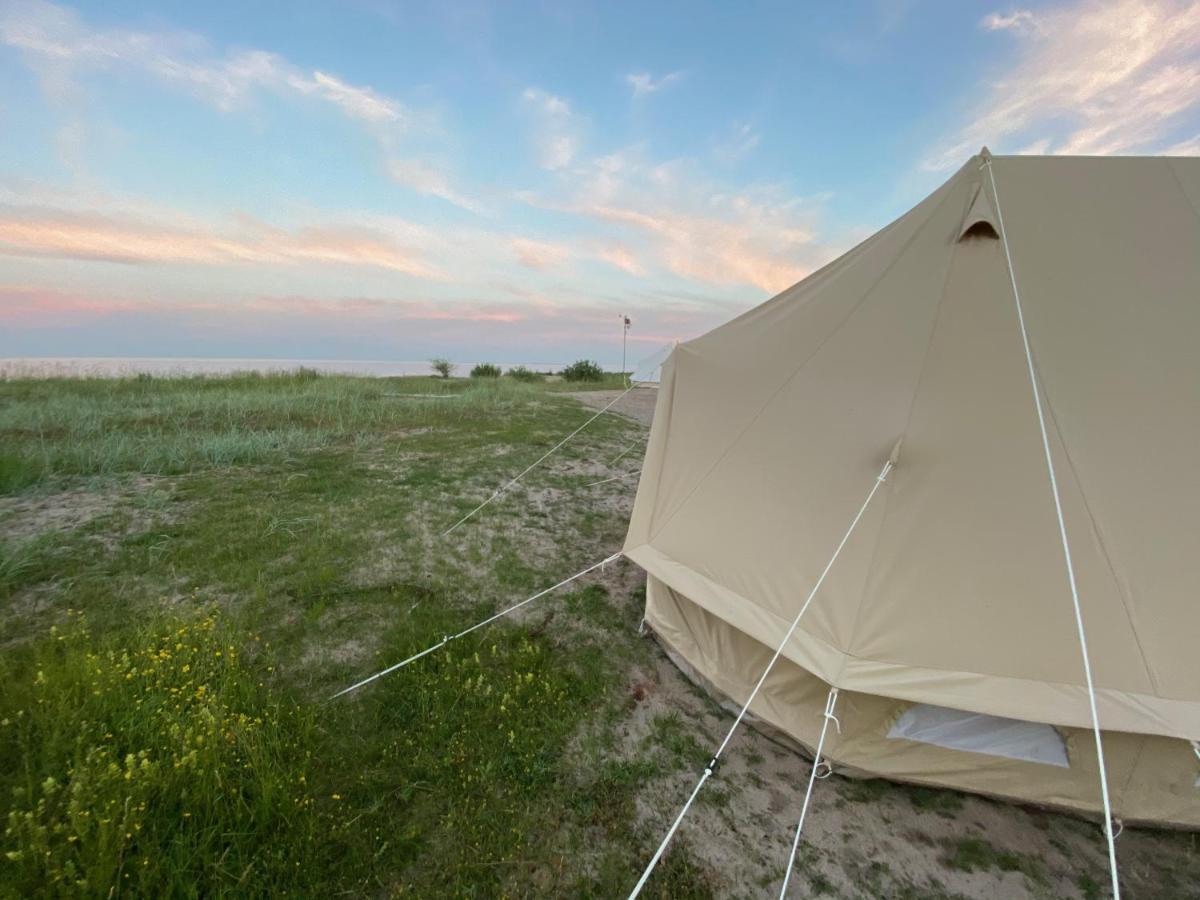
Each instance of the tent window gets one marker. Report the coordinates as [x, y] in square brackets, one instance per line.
[956, 729]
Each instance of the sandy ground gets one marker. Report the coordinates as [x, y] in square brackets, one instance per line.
[862, 839]
[638, 404]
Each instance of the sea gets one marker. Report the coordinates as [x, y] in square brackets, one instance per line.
[116, 367]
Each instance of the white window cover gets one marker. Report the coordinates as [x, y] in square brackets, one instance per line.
[978, 733]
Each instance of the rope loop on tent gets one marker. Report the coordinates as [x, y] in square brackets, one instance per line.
[508, 484]
[830, 702]
[716, 758]
[1066, 544]
[453, 637]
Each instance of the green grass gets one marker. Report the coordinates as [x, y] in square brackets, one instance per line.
[156, 764]
[303, 512]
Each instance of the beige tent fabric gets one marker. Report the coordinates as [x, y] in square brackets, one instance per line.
[952, 591]
[1151, 779]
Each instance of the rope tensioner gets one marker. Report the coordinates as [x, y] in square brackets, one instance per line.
[830, 703]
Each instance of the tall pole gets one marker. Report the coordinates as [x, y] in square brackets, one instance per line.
[624, 336]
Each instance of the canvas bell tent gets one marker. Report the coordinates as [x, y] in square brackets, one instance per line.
[947, 622]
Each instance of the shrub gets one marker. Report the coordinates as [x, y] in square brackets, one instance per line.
[158, 767]
[485, 370]
[521, 373]
[443, 367]
[583, 370]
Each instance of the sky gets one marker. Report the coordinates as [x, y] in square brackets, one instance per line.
[504, 181]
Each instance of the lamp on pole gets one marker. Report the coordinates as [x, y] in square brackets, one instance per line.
[624, 334]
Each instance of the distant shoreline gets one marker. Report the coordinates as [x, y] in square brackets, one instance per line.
[119, 366]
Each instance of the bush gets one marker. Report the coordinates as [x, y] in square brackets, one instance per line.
[158, 767]
[521, 373]
[583, 370]
[443, 367]
[485, 370]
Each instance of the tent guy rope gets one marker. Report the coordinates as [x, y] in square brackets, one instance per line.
[453, 637]
[830, 703]
[1066, 544]
[716, 758]
[620, 477]
[500, 491]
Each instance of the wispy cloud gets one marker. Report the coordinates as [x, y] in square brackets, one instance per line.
[426, 177]
[1091, 78]
[740, 141]
[558, 134]
[61, 47]
[60, 42]
[540, 254]
[1017, 20]
[682, 221]
[1190, 147]
[91, 236]
[643, 83]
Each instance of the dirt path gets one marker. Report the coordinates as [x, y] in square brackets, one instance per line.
[638, 404]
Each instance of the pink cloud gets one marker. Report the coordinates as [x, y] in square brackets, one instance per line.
[518, 328]
[91, 236]
[540, 254]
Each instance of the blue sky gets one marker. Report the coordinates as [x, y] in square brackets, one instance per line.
[484, 181]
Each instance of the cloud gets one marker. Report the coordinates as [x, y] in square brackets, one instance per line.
[357, 102]
[621, 257]
[682, 221]
[739, 143]
[1091, 78]
[643, 83]
[426, 177]
[540, 254]
[525, 329]
[558, 134]
[35, 232]
[1018, 20]
[1190, 147]
[59, 42]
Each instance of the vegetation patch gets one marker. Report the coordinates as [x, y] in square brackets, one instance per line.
[583, 370]
[158, 765]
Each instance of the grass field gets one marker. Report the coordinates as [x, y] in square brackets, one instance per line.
[191, 567]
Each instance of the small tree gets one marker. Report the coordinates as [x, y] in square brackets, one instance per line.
[485, 370]
[442, 366]
[583, 370]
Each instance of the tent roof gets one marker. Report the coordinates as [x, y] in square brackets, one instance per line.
[953, 591]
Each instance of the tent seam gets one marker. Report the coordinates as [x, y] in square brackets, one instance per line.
[857, 306]
[662, 461]
[1182, 190]
[937, 317]
[1104, 551]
